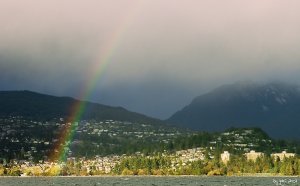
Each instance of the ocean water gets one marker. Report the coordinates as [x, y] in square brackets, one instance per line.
[149, 181]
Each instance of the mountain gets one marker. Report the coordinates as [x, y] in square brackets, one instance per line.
[46, 107]
[274, 107]
[32, 127]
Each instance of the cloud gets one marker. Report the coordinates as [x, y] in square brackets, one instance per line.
[167, 52]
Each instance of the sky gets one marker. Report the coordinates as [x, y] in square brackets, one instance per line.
[148, 56]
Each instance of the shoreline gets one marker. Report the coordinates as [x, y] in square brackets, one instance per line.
[158, 176]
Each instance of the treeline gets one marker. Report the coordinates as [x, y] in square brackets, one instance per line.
[138, 165]
[238, 165]
[266, 164]
[165, 165]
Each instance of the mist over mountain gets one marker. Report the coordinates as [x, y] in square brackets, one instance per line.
[274, 107]
[46, 107]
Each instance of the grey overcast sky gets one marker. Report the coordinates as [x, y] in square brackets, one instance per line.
[161, 53]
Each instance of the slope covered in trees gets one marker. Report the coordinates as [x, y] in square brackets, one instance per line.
[273, 107]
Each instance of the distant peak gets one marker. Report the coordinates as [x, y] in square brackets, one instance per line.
[269, 105]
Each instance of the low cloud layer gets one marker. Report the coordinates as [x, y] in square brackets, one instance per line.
[165, 54]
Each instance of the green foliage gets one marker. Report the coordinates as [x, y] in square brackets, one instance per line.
[2, 170]
[13, 171]
[164, 165]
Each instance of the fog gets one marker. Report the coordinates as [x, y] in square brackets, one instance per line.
[162, 53]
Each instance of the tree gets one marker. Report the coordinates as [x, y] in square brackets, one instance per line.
[54, 170]
[2, 170]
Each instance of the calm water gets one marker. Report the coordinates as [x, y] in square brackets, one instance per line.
[151, 181]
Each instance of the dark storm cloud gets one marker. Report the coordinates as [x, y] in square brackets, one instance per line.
[168, 51]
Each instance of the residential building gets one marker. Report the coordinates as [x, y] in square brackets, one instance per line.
[225, 157]
[252, 155]
[282, 155]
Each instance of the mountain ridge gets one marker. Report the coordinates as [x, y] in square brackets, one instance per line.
[43, 106]
[273, 107]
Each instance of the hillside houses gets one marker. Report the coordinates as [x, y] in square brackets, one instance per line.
[241, 140]
[29, 143]
[37, 138]
[190, 155]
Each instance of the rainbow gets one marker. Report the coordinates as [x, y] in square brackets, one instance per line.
[78, 108]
